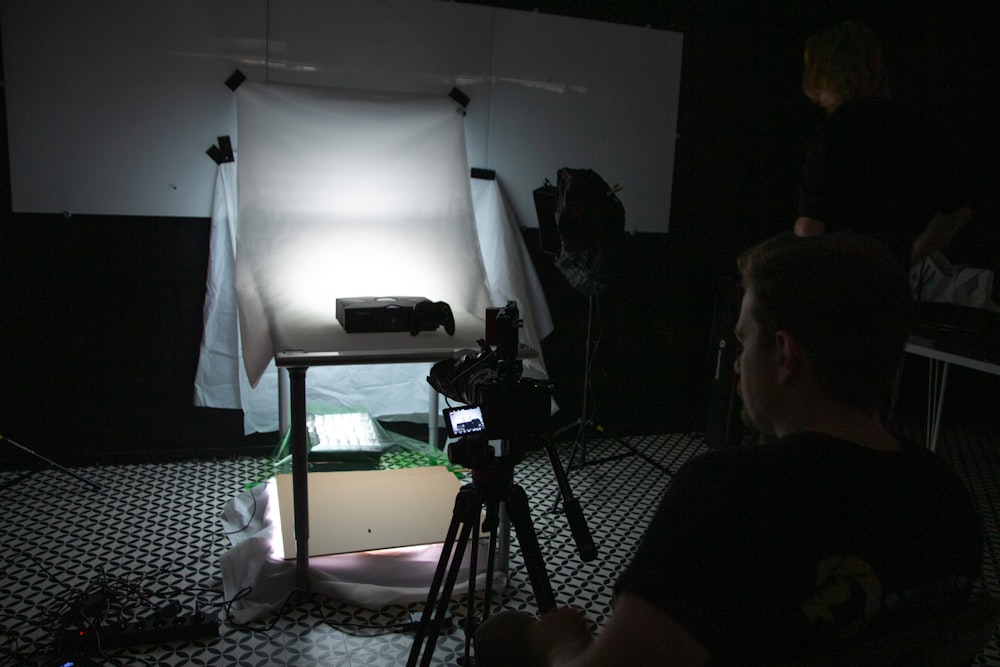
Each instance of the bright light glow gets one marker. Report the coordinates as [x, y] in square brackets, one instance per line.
[348, 195]
[549, 86]
[365, 262]
[272, 517]
[398, 551]
[343, 432]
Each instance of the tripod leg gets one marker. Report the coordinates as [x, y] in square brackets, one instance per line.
[94, 485]
[491, 524]
[574, 512]
[465, 515]
[470, 598]
[587, 364]
[520, 518]
[633, 450]
[490, 568]
[579, 449]
[432, 593]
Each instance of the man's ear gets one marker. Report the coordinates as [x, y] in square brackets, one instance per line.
[788, 356]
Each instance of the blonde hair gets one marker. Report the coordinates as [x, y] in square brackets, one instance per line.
[846, 60]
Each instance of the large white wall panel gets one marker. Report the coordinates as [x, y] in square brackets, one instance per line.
[584, 94]
[111, 104]
[404, 46]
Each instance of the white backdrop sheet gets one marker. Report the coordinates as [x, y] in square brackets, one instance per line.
[352, 194]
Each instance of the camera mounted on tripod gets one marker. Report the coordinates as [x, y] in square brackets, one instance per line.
[500, 404]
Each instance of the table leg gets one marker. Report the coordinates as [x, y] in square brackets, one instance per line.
[935, 400]
[283, 410]
[300, 474]
[432, 419]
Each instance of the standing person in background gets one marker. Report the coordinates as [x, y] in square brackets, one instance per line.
[871, 170]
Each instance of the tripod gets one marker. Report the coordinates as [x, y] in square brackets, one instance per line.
[585, 422]
[94, 485]
[492, 484]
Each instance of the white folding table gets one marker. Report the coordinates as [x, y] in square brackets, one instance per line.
[937, 379]
[297, 350]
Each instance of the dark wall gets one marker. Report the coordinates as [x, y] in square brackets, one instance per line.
[743, 130]
[101, 329]
[102, 316]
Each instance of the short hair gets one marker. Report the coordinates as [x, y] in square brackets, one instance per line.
[847, 60]
[847, 302]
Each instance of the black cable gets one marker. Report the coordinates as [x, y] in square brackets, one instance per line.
[252, 514]
[379, 629]
[106, 599]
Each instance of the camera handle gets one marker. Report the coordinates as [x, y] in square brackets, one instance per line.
[470, 501]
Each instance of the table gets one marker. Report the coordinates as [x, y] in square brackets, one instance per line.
[939, 361]
[298, 349]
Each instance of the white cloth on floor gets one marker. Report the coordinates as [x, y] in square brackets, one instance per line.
[257, 580]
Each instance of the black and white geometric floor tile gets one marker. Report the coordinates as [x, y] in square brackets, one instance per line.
[151, 536]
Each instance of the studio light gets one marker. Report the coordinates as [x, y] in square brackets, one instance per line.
[590, 219]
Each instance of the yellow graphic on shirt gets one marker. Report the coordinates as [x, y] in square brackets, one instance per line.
[848, 595]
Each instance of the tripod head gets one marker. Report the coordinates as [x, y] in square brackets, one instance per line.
[502, 406]
[505, 417]
[501, 403]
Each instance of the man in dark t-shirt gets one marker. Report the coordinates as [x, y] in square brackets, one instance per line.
[784, 548]
[832, 531]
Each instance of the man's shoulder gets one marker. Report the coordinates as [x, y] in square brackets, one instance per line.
[804, 450]
[794, 445]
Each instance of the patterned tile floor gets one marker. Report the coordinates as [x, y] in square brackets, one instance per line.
[151, 535]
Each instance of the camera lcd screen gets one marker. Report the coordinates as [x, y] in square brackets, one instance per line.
[463, 421]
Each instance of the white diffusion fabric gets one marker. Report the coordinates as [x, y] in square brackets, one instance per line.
[345, 194]
[509, 271]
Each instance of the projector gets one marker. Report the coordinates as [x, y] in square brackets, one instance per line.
[371, 314]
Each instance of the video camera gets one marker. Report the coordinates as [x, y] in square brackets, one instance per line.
[500, 404]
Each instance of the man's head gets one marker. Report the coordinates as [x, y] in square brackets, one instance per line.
[841, 63]
[837, 306]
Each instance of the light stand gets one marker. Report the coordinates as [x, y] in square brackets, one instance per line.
[95, 485]
[578, 453]
[584, 212]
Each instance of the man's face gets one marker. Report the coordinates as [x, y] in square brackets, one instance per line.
[757, 368]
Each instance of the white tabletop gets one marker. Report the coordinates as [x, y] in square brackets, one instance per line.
[925, 348]
[327, 344]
